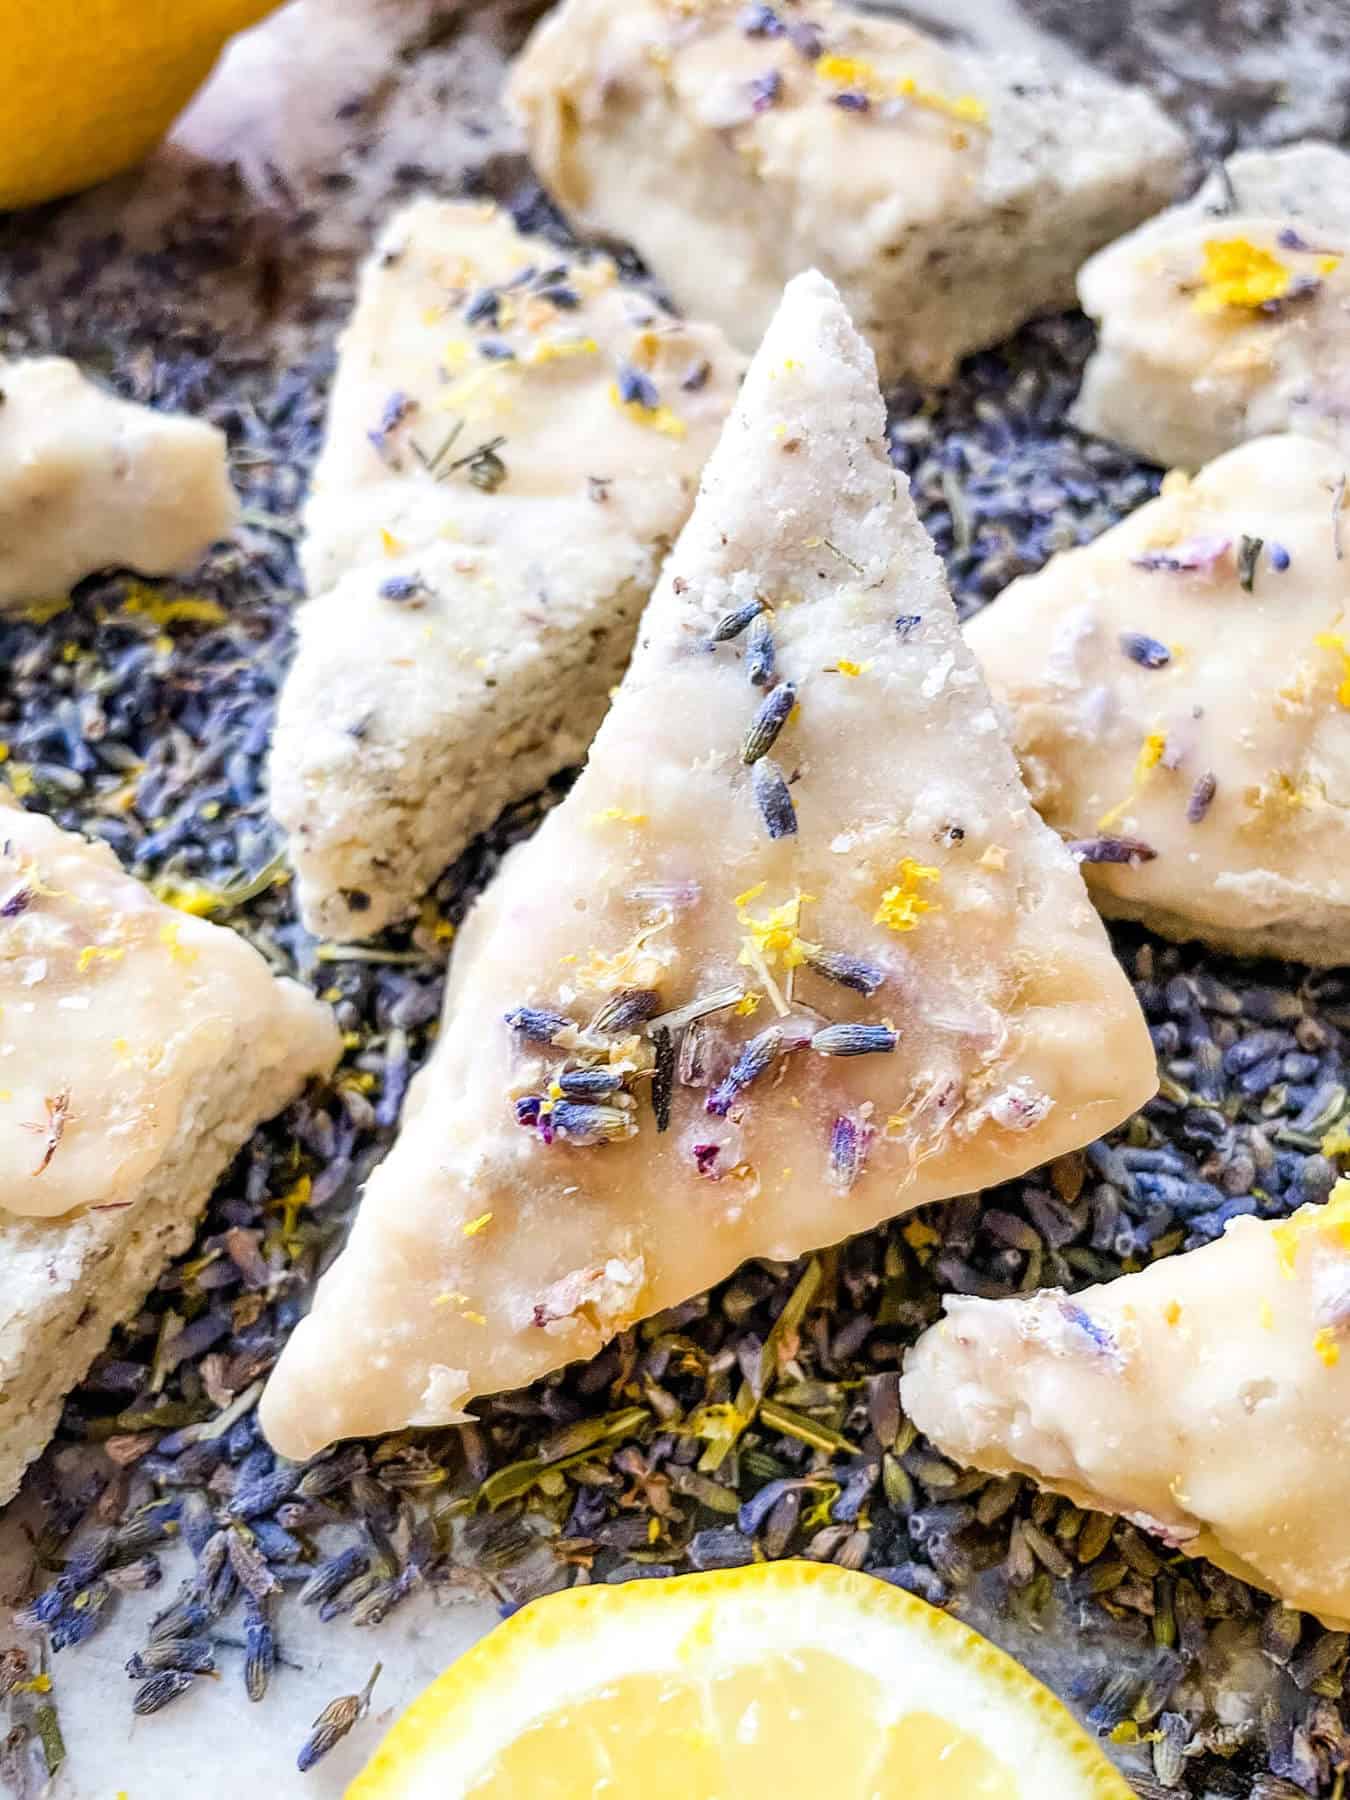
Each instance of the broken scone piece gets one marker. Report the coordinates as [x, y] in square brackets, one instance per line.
[1227, 316]
[90, 482]
[139, 1048]
[794, 955]
[514, 440]
[1206, 1398]
[950, 195]
[1180, 700]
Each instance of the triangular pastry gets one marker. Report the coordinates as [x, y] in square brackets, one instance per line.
[89, 481]
[1207, 1398]
[1226, 316]
[514, 440]
[139, 1049]
[794, 955]
[950, 194]
[1180, 701]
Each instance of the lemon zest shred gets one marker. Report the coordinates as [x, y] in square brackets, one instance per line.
[902, 905]
[92, 953]
[1330, 1222]
[1326, 1348]
[615, 815]
[145, 603]
[655, 418]
[474, 1226]
[1238, 273]
[168, 936]
[1335, 642]
[1150, 755]
[845, 666]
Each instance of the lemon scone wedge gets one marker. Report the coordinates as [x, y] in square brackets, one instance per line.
[793, 1679]
[1205, 1397]
[794, 955]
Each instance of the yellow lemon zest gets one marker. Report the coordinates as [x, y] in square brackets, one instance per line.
[474, 1318]
[1237, 272]
[481, 1223]
[168, 936]
[774, 937]
[1328, 265]
[292, 1203]
[846, 71]
[93, 953]
[843, 666]
[1150, 755]
[655, 418]
[747, 1005]
[1172, 1311]
[391, 545]
[1336, 1142]
[163, 609]
[1330, 1222]
[559, 349]
[1326, 1347]
[965, 107]
[615, 815]
[902, 906]
[1335, 642]
[1266, 1315]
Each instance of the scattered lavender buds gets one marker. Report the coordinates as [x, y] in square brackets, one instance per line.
[1278, 557]
[773, 799]
[586, 1125]
[589, 1084]
[537, 1024]
[626, 1011]
[760, 654]
[766, 91]
[754, 1059]
[1110, 850]
[333, 1724]
[762, 732]
[855, 1040]
[848, 1151]
[848, 971]
[851, 100]
[663, 1076]
[1146, 651]
[1249, 553]
[732, 624]
[1202, 794]
[638, 389]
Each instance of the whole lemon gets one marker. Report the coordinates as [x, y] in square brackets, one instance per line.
[90, 86]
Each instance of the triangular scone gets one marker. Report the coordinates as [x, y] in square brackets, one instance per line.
[139, 1048]
[1207, 1398]
[950, 195]
[800, 796]
[1180, 699]
[90, 482]
[513, 444]
[1227, 316]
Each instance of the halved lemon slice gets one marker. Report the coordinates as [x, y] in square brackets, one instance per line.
[771, 1682]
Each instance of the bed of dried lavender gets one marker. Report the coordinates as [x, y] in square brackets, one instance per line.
[760, 1419]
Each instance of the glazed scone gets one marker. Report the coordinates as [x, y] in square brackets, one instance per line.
[90, 482]
[949, 195]
[1180, 702]
[1207, 1398]
[1229, 315]
[139, 1049]
[513, 444]
[794, 955]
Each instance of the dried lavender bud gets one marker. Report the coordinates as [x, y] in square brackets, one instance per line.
[260, 1649]
[528, 1109]
[663, 1077]
[732, 624]
[333, 1724]
[625, 1011]
[637, 389]
[762, 732]
[1110, 850]
[758, 1055]
[537, 1023]
[583, 1125]
[1249, 553]
[333, 1575]
[589, 1084]
[773, 799]
[1202, 795]
[760, 653]
[855, 1040]
[185, 1656]
[153, 1695]
[252, 1572]
[1146, 651]
[848, 1149]
[848, 971]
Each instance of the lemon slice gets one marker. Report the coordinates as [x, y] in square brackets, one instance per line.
[783, 1680]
